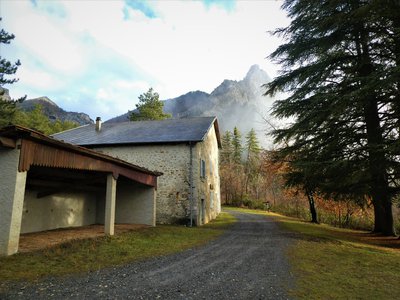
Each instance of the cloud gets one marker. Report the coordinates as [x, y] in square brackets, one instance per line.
[228, 5]
[99, 56]
[41, 80]
[50, 7]
[140, 5]
[44, 39]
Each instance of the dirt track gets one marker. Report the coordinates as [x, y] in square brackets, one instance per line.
[247, 262]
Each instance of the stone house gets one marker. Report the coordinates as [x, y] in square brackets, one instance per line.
[185, 150]
[48, 184]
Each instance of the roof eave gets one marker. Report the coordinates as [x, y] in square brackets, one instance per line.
[139, 144]
[17, 131]
[215, 125]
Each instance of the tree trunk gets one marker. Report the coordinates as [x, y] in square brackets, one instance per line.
[226, 193]
[349, 213]
[377, 166]
[313, 211]
[395, 6]
[376, 153]
[246, 185]
[378, 222]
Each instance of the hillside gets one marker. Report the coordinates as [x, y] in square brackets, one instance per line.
[54, 112]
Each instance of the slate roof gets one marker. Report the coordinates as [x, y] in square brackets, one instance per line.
[142, 132]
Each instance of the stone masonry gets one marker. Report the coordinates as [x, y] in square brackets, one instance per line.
[173, 204]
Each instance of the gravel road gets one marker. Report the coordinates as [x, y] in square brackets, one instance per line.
[247, 262]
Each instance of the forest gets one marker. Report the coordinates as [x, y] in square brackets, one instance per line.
[339, 77]
[256, 178]
[36, 120]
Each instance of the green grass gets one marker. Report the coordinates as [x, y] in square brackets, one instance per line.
[333, 263]
[80, 256]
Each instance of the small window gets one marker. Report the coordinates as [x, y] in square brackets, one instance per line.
[202, 169]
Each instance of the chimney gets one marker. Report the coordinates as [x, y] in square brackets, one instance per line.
[98, 124]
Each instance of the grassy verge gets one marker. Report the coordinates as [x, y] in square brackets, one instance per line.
[92, 254]
[334, 263]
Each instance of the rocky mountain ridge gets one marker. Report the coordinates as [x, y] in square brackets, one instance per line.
[50, 109]
[235, 103]
[54, 112]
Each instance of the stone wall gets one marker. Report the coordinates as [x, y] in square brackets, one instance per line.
[173, 203]
[173, 186]
[207, 189]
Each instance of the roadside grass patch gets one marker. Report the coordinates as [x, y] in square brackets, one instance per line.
[78, 256]
[335, 263]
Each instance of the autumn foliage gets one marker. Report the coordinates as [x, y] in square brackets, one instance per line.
[262, 185]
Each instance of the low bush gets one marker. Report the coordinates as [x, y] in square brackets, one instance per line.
[247, 202]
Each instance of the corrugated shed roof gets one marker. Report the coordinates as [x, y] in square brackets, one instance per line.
[142, 132]
[14, 132]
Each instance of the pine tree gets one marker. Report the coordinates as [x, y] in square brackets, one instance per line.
[252, 146]
[237, 146]
[342, 83]
[236, 168]
[253, 150]
[7, 106]
[226, 152]
[149, 108]
[37, 120]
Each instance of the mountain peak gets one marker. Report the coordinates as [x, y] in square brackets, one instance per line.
[4, 94]
[46, 100]
[257, 75]
[253, 69]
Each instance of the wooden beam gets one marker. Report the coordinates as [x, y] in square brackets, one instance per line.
[65, 174]
[7, 143]
[36, 154]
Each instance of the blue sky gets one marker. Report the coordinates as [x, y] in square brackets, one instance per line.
[97, 57]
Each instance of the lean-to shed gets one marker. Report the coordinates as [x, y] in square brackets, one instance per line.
[47, 184]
